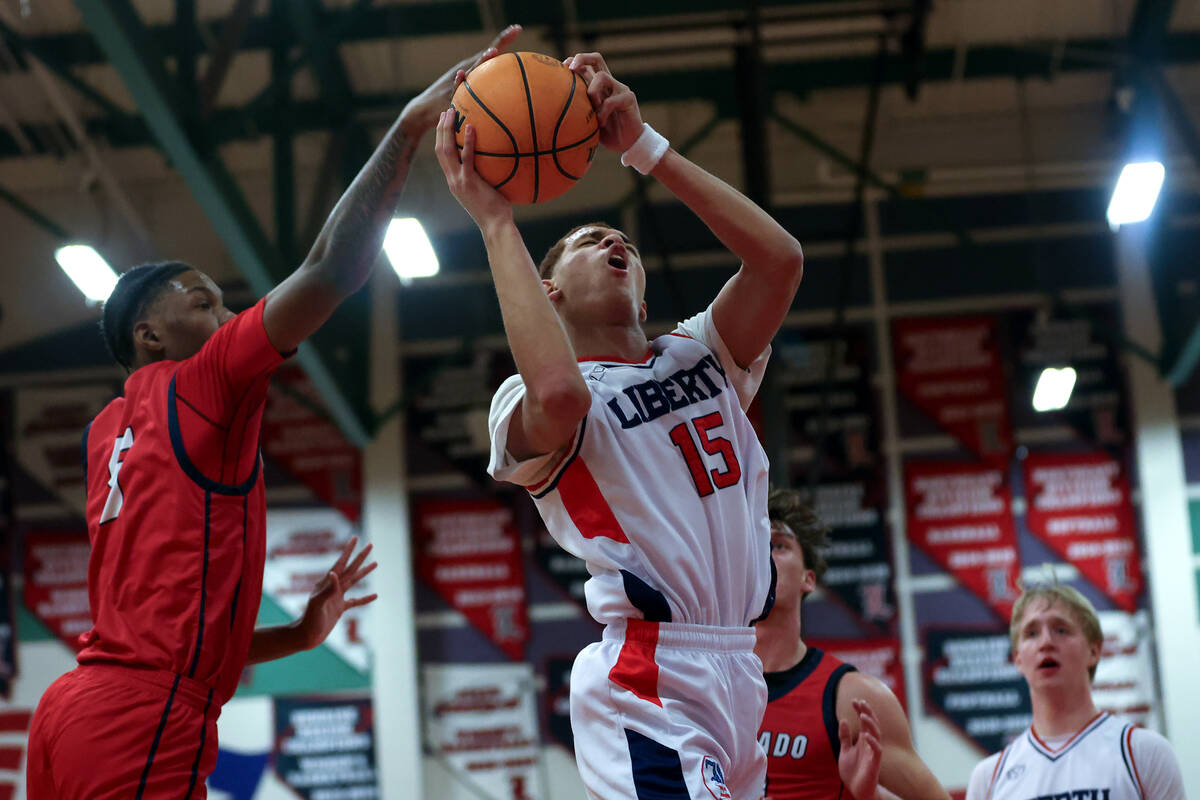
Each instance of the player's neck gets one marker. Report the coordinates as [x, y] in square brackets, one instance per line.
[620, 341]
[1062, 712]
[778, 642]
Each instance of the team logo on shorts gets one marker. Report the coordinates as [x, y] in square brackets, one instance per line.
[714, 779]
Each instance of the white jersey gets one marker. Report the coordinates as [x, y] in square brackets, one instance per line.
[662, 489]
[1106, 760]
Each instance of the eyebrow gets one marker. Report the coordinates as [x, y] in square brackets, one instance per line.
[579, 237]
[218, 295]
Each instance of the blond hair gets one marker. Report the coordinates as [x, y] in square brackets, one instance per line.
[1080, 607]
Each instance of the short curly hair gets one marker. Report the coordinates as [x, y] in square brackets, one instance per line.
[789, 507]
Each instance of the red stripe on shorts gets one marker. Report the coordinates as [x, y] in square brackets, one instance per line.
[586, 506]
[636, 669]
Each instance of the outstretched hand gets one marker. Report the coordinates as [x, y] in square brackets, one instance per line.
[615, 104]
[858, 762]
[423, 110]
[328, 600]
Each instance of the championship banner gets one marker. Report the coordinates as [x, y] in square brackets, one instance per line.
[481, 721]
[568, 572]
[961, 516]
[1078, 505]
[972, 682]
[1096, 408]
[302, 545]
[8, 630]
[308, 446]
[878, 657]
[469, 552]
[451, 395]
[558, 700]
[56, 573]
[950, 368]
[859, 555]
[49, 435]
[1124, 684]
[830, 403]
[325, 749]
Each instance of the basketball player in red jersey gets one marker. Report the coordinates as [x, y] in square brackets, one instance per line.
[819, 710]
[175, 504]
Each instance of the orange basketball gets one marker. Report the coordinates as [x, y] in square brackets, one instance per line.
[535, 130]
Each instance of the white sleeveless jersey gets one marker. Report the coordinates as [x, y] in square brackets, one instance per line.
[662, 490]
[1095, 764]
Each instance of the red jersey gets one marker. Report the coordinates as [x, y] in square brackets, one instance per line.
[176, 511]
[800, 729]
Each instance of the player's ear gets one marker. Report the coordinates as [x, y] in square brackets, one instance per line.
[808, 582]
[642, 312]
[145, 336]
[552, 291]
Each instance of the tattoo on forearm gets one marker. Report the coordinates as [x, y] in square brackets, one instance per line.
[354, 231]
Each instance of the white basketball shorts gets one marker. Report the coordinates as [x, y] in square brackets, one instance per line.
[667, 710]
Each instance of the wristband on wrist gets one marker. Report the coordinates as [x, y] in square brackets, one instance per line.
[644, 154]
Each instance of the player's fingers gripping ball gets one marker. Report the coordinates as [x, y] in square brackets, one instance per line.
[535, 130]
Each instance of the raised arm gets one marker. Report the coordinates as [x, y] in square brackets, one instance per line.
[752, 305]
[346, 248]
[556, 397]
[901, 771]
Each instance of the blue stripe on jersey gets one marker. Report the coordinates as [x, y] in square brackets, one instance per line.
[567, 462]
[1127, 757]
[657, 770]
[86, 431]
[770, 601]
[645, 598]
[829, 707]
[185, 462]
[203, 584]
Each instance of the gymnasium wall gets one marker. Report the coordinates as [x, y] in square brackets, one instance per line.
[495, 646]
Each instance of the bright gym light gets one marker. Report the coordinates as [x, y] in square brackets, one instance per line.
[1053, 390]
[1135, 194]
[409, 249]
[88, 270]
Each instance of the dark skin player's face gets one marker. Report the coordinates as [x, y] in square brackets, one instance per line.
[187, 311]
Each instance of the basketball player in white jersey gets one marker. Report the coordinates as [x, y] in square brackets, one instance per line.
[1072, 750]
[642, 462]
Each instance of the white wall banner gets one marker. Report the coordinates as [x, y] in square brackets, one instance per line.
[481, 723]
[302, 544]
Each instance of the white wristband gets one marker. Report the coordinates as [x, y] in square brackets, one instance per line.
[644, 154]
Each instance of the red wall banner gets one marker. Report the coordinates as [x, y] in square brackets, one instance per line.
[879, 657]
[950, 368]
[56, 573]
[469, 552]
[1079, 507]
[961, 516]
[309, 446]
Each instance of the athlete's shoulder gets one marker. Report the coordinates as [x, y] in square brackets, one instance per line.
[981, 777]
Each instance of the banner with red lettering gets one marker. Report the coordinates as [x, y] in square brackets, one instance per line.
[951, 369]
[1079, 507]
[878, 657]
[8, 611]
[961, 516]
[56, 572]
[308, 446]
[469, 552]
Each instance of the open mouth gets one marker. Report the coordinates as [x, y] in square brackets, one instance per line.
[1048, 663]
[618, 262]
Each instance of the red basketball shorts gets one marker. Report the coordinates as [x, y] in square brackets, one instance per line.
[122, 733]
